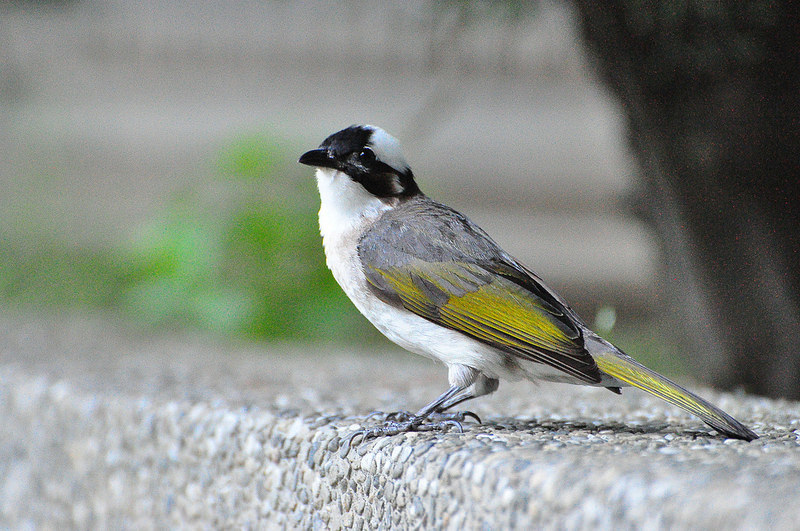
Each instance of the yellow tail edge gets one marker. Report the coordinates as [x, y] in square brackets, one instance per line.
[634, 373]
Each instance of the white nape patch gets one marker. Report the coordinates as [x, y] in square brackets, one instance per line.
[387, 149]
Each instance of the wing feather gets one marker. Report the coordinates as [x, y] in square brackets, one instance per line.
[497, 312]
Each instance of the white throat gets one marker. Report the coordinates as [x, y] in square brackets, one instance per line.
[346, 208]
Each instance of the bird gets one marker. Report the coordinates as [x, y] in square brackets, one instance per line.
[436, 284]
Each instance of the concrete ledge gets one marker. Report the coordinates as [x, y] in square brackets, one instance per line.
[103, 429]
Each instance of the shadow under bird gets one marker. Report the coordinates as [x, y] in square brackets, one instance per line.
[436, 284]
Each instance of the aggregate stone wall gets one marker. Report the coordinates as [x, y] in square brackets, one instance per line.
[100, 462]
[99, 431]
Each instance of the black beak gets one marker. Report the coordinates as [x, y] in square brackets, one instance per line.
[319, 158]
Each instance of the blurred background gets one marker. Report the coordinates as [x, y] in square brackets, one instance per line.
[148, 163]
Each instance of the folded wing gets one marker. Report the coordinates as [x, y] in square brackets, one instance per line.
[452, 274]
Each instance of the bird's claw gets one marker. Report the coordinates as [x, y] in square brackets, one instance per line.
[391, 427]
[461, 416]
[405, 422]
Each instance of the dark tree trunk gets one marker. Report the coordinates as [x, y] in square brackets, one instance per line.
[712, 96]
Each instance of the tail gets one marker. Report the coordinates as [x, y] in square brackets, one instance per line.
[630, 371]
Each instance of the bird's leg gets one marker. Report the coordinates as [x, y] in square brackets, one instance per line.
[402, 422]
[434, 408]
[440, 414]
[483, 385]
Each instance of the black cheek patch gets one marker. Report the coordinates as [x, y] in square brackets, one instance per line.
[382, 184]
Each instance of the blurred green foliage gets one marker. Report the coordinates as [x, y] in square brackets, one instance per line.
[242, 257]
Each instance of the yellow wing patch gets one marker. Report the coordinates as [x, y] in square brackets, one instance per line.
[506, 317]
[493, 310]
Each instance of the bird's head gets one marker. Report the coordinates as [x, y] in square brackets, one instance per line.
[366, 155]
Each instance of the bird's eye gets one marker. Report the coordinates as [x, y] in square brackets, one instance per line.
[366, 156]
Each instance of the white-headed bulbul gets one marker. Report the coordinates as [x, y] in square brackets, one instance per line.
[436, 284]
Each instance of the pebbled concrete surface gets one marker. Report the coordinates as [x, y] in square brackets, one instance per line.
[103, 427]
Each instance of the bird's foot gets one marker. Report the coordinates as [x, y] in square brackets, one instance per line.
[395, 427]
[437, 416]
[405, 422]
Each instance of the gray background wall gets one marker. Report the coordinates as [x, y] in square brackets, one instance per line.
[108, 106]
